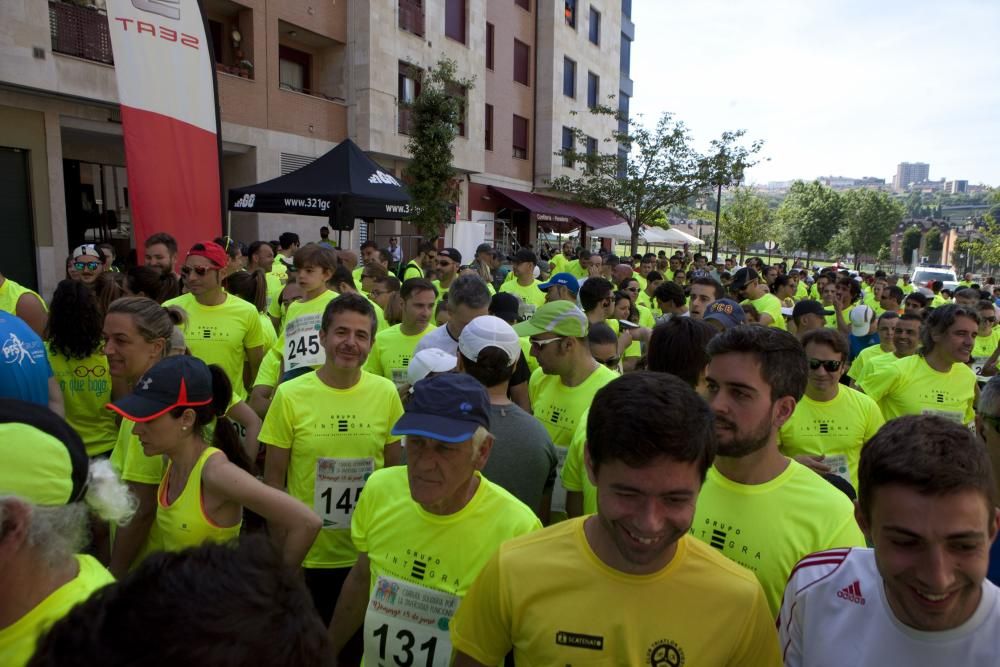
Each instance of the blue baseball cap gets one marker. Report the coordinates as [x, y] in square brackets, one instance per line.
[726, 311]
[448, 407]
[567, 280]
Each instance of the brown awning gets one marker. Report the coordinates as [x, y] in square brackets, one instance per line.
[559, 214]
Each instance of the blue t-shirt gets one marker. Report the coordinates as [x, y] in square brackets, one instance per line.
[858, 343]
[25, 371]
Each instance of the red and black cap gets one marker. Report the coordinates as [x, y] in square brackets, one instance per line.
[175, 382]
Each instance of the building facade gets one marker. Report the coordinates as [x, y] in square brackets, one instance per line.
[910, 172]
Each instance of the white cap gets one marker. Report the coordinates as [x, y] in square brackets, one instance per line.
[861, 320]
[427, 361]
[489, 331]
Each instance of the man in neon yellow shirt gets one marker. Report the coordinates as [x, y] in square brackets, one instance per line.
[448, 262]
[393, 348]
[986, 341]
[326, 432]
[831, 422]
[538, 595]
[760, 508]
[886, 329]
[261, 256]
[905, 341]
[525, 287]
[421, 264]
[25, 303]
[567, 378]
[424, 531]
[749, 288]
[48, 486]
[937, 380]
[559, 261]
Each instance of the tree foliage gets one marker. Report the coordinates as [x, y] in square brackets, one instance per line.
[660, 170]
[430, 176]
[911, 242]
[724, 166]
[933, 244]
[745, 220]
[809, 217]
[869, 219]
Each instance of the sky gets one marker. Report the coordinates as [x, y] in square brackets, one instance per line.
[842, 88]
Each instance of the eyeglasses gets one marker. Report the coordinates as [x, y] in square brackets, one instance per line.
[991, 320]
[610, 362]
[90, 266]
[539, 344]
[96, 371]
[200, 270]
[829, 365]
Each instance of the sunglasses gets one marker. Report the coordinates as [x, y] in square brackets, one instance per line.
[539, 344]
[90, 266]
[200, 270]
[610, 362]
[829, 365]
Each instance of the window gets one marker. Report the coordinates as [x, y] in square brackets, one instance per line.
[523, 4]
[408, 90]
[522, 63]
[489, 46]
[520, 141]
[595, 26]
[293, 69]
[567, 145]
[622, 162]
[623, 101]
[591, 146]
[571, 13]
[489, 127]
[461, 94]
[569, 78]
[627, 8]
[593, 89]
[454, 20]
[411, 16]
[626, 55]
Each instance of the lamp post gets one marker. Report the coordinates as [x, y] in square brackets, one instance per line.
[718, 212]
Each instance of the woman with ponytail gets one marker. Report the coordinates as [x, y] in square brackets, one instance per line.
[205, 487]
[251, 286]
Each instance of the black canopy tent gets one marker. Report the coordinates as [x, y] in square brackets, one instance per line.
[342, 185]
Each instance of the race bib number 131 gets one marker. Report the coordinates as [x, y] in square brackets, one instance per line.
[407, 624]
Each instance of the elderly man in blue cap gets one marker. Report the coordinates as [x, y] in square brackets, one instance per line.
[424, 531]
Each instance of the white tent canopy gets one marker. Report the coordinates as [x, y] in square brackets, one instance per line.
[648, 235]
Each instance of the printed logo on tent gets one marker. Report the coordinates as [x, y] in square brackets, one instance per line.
[246, 201]
[170, 9]
[383, 178]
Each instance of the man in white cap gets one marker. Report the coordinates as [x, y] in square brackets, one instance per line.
[863, 332]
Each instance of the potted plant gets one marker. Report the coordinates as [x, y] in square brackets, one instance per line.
[245, 68]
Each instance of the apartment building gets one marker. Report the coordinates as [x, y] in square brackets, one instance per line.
[295, 77]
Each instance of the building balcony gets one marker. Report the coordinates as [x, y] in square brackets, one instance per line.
[80, 31]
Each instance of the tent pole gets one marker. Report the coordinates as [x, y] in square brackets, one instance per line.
[229, 223]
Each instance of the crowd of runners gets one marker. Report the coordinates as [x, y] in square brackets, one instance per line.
[288, 453]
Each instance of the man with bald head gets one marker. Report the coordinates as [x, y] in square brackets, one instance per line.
[620, 273]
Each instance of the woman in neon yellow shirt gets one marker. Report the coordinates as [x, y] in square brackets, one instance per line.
[202, 494]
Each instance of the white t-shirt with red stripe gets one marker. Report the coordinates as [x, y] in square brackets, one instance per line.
[835, 614]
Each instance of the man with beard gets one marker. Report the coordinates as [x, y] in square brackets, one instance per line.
[760, 508]
[538, 592]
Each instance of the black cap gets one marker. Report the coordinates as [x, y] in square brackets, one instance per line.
[743, 277]
[525, 255]
[175, 382]
[810, 307]
[451, 254]
[505, 306]
[448, 407]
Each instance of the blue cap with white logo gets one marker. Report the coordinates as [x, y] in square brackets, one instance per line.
[567, 280]
[448, 407]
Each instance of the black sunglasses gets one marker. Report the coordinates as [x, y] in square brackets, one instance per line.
[200, 270]
[90, 266]
[610, 362]
[830, 365]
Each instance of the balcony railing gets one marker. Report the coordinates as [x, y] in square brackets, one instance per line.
[80, 31]
[411, 16]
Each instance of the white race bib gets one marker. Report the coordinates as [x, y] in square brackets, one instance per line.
[838, 465]
[338, 487]
[559, 491]
[956, 417]
[302, 346]
[407, 624]
[977, 368]
[399, 377]
[525, 310]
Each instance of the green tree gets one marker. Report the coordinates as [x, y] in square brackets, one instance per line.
[911, 242]
[745, 219]
[724, 166]
[985, 248]
[430, 176]
[809, 217]
[661, 169]
[870, 217]
[933, 244]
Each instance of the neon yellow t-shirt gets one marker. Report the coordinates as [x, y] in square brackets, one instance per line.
[279, 268]
[872, 303]
[768, 528]
[269, 373]
[559, 408]
[392, 351]
[356, 274]
[574, 268]
[183, 523]
[222, 334]
[801, 291]
[337, 438]
[831, 320]
[274, 287]
[938, 301]
[539, 593]
[558, 263]
[411, 270]
[11, 292]
[298, 342]
[574, 471]
[910, 386]
[17, 641]
[875, 364]
[267, 328]
[857, 370]
[131, 462]
[836, 428]
[380, 323]
[526, 353]
[422, 564]
[531, 297]
[770, 305]
[86, 389]
[982, 350]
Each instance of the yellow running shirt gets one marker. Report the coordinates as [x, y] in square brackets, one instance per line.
[559, 407]
[337, 438]
[770, 305]
[274, 287]
[17, 641]
[422, 564]
[541, 595]
[183, 523]
[11, 292]
[131, 462]
[836, 429]
[982, 349]
[86, 389]
[857, 370]
[391, 353]
[267, 328]
[299, 340]
[411, 270]
[801, 291]
[270, 369]
[574, 472]
[910, 386]
[531, 297]
[768, 528]
[221, 334]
